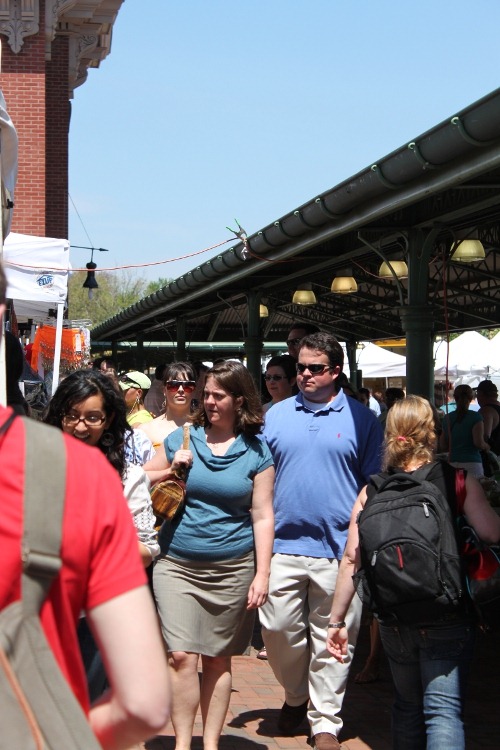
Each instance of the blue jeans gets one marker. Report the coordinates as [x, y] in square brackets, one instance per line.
[429, 667]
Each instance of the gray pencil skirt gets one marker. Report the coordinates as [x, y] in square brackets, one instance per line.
[202, 605]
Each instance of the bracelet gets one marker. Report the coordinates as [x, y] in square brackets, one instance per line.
[336, 624]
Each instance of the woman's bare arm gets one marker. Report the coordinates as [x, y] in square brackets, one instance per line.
[263, 530]
[479, 512]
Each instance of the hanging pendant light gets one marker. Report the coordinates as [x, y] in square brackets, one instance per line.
[344, 285]
[304, 295]
[399, 267]
[468, 251]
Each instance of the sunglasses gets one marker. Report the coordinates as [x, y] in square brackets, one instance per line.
[187, 386]
[294, 342]
[316, 369]
[275, 378]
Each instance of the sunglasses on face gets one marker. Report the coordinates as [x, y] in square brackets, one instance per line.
[294, 342]
[187, 386]
[275, 378]
[315, 369]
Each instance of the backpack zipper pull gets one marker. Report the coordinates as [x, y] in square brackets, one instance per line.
[374, 559]
[426, 510]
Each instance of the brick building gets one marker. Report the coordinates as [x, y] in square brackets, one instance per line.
[47, 48]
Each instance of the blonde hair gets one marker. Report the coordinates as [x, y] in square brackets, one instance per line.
[410, 434]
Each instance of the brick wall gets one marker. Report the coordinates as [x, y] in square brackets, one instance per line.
[57, 127]
[36, 93]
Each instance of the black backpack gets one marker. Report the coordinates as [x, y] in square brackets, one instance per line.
[410, 564]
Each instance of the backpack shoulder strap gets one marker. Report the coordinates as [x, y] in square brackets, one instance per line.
[423, 472]
[44, 494]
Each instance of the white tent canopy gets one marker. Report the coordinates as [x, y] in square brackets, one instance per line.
[37, 270]
[376, 362]
[470, 355]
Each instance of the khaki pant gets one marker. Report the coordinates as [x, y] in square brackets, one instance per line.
[294, 625]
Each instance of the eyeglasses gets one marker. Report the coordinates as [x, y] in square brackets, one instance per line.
[275, 378]
[315, 369]
[294, 342]
[187, 386]
[89, 420]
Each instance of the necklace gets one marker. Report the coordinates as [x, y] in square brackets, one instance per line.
[217, 445]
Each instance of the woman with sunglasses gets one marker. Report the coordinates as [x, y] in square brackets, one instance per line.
[214, 568]
[88, 406]
[179, 382]
[135, 386]
[280, 378]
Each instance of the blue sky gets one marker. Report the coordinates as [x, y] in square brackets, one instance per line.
[206, 110]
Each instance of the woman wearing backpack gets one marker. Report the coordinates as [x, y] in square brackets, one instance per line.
[429, 661]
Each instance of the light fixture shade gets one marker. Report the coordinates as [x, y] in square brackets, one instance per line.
[468, 251]
[304, 297]
[91, 281]
[344, 285]
[400, 269]
[263, 311]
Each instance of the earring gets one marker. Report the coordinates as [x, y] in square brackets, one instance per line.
[164, 404]
[107, 439]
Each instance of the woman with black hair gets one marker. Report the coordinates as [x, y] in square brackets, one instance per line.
[88, 406]
[463, 434]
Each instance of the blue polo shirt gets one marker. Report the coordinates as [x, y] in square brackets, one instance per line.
[322, 460]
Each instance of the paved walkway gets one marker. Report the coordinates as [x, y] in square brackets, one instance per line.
[257, 698]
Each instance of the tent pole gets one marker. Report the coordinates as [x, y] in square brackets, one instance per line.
[57, 346]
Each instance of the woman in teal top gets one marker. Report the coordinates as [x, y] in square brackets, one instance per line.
[463, 434]
[214, 568]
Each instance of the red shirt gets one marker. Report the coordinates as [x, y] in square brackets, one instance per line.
[99, 548]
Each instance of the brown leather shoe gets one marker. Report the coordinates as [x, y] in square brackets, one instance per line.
[325, 741]
[291, 717]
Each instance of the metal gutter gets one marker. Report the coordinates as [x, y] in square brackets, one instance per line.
[456, 150]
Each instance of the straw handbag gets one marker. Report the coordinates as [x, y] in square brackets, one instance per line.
[168, 496]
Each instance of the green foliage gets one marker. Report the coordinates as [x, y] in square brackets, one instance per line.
[153, 286]
[117, 291]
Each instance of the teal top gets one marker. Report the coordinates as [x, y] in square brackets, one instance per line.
[461, 444]
[215, 523]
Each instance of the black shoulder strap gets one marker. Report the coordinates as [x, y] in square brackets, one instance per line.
[44, 494]
[423, 472]
[380, 482]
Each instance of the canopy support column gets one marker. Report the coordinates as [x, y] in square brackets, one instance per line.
[253, 342]
[181, 339]
[417, 317]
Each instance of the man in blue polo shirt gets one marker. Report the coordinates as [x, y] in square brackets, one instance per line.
[325, 446]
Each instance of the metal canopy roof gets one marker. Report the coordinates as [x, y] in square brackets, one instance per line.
[449, 177]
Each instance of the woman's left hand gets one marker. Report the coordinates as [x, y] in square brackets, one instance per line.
[257, 593]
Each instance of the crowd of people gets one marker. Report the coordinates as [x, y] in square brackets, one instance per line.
[268, 524]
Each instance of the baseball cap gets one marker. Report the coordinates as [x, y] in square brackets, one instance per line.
[135, 379]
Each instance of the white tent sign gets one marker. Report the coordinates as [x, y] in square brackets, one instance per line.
[37, 270]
